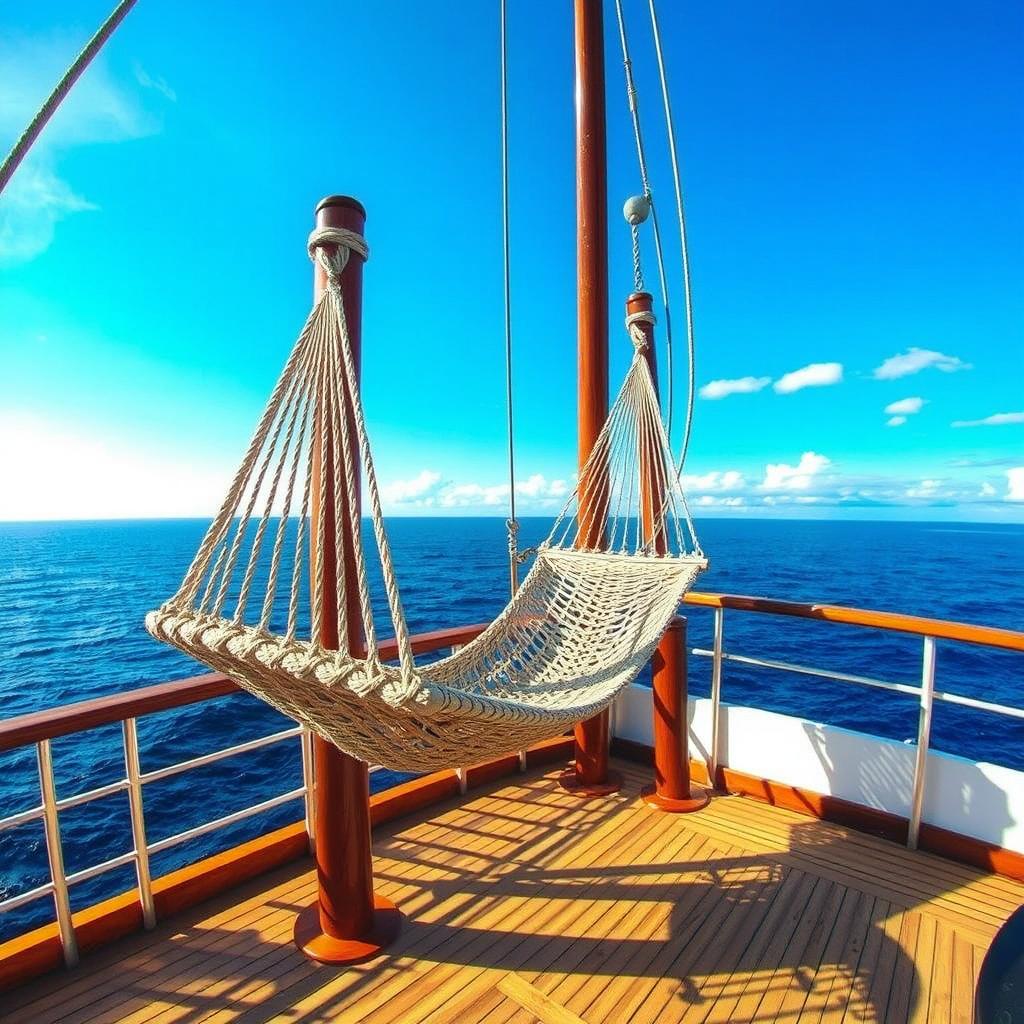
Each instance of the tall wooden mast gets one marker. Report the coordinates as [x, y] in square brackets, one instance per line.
[590, 775]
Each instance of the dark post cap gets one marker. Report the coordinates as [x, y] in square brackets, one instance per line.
[348, 201]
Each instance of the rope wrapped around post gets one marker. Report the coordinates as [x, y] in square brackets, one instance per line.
[333, 261]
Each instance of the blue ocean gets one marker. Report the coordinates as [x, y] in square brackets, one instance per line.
[73, 596]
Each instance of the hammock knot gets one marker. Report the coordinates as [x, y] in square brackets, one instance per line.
[343, 243]
[636, 335]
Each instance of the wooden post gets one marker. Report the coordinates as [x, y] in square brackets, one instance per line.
[672, 790]
[348, 923]
[590, 775]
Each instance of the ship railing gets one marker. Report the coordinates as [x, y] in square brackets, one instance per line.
[929, 630]
[41, 728]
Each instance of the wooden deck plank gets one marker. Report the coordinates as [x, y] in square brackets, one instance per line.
[510, 948]
[1007, 891]
[562, 973]
[857, 850]
[473, 940]
[425, 914]
[523, 901]
[781, 996]
[198, 952]
[982, 923]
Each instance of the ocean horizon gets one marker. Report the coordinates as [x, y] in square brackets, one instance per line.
[73, 595]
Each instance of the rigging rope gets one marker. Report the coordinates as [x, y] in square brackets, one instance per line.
[512, 524]
[634, 110]
[63, 87]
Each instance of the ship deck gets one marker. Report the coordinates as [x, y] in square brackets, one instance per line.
[525, 904]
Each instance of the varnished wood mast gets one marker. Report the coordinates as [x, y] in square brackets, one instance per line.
[347, 923]
[590, 775]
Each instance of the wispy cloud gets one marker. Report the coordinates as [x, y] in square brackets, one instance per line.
[148, 81]
[1015, 484]
[35, 200]
[914, 360]
[981, 463]
[716, 480]
[97, 110]
[815, 375]
[905, 407]
[997, 419]
[430, 490]
[424, 485]
[740, 386]
[900, 410]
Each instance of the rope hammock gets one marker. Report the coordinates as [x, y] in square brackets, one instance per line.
[586, 619]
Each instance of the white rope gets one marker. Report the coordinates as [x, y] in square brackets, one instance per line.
[632, 97]
[634, 111]
[580, 627]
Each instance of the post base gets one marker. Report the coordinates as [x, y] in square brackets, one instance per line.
[572, 783]
[699, 797]
[316, 944]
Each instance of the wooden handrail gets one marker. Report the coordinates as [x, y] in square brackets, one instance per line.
[89, 714]
[989, 636]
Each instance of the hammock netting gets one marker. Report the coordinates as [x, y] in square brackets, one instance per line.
[600, 592]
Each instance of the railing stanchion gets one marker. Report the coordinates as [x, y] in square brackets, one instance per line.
[715, 753]
[133, 773]
[55, 853]
[924, 730]
[309, 785]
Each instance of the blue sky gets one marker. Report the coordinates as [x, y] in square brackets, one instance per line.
[856, 210]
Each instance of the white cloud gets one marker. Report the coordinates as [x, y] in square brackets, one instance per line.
[54, 472]
[98, 109]
[815, 375]
[468, 495]
[904, 407]
[987, 490]
[537, 486]
[1015, 484]
[783, 477]
[925, 489]
[429, 489]
[714, 501]
[421, 486]
[740, 386]
[995, 420]
[729, 480]
[896, 421]
[914, 360]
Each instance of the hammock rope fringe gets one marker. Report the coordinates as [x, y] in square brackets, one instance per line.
[602, 588]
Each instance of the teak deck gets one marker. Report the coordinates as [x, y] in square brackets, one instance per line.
[525, 904]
